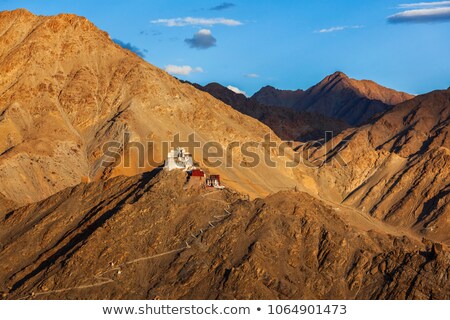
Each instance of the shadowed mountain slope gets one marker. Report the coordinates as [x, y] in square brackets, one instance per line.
[287, 123]
[71, 227]
[271, 96]
[128, 239]
[398, 166]
[337, 96]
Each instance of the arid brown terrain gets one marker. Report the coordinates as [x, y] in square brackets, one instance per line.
[287, 123]
[337, 96]
[271, 96]
[67, 88]
[365, 216]
[397, 166]
[144, 237]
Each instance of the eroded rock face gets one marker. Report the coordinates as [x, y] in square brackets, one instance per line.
[148, 237]
[398, 166]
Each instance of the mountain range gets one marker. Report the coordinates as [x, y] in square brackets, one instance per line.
[334, 104]
[337, 96]
[397, 166]
[287, 123]
[365, 215]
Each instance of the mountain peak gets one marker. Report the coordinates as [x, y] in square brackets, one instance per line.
[54, 23]
[17, 15]
[215, 85]
[364, 88]
[272, 96]
[348, 99]
[339, 74]
[20, 11]
[334, 78]
[227, 95]
[269, 87]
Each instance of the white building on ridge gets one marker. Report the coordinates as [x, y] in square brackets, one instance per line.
[179, 159]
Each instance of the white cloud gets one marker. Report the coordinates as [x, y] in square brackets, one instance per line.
[236, 90]
[203, 39]
[424, 4]
[252, 75]
[182, 70]
[204, 32]
[338, 28]
[190, 21]
[421, 15]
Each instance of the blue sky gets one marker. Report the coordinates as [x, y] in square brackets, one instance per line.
[288, 44]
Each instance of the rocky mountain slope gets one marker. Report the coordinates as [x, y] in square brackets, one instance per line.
[288, 124]
[271, 96]
[337, 96]
[147, 237]
[398, 166]
[66, 89]
[71, 228]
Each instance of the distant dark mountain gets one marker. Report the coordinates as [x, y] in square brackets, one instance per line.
[354, 101]
[337, 96]
[287, 123]
[271, 96]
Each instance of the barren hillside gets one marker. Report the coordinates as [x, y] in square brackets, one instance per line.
[398, 166]
[375, 228]
[287, 123]
[147, 237]
[66, 89]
